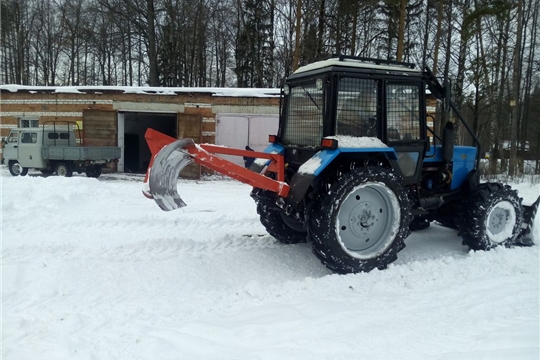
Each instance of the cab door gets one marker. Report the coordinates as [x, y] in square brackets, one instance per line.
[11, 148]
[30, 150]
[405, 130]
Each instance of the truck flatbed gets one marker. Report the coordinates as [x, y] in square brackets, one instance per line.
[80, 153]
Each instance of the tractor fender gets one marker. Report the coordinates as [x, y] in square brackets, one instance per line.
[258, 165]
[323, 158]
[309, 172]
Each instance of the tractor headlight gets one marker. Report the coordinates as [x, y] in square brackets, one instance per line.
[286, 89]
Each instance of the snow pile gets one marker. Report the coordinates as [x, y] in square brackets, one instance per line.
[93, 270]
[345, 141]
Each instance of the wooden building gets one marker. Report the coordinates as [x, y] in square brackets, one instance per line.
[119, 116]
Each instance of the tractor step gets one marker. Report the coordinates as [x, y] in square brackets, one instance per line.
[530, 233]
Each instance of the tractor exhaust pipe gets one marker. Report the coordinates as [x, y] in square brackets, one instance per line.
[449, 138]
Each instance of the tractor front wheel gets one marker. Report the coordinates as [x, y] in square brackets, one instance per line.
[284, 228]
[492, 217]
[361, 223]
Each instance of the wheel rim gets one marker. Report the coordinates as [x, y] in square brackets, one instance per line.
[61, 171]
[501, 221]
[17, 168]
[368, 220]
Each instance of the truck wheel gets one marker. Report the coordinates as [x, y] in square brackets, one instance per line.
[16, 169]
[63, 169]
[285, 229]
[93, 171]
[492, 217]
[361, 223]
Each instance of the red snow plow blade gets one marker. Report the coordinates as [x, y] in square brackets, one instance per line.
[170, 156]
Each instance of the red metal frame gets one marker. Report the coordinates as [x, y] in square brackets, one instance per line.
[203, 154]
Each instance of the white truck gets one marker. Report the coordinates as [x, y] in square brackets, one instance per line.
[52, 149]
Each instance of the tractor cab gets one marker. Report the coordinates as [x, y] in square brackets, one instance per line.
[349, 97]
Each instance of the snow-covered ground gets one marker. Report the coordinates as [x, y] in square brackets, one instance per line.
[93, 270]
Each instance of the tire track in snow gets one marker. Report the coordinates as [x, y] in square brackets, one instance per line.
[180, 222]
[158, 248]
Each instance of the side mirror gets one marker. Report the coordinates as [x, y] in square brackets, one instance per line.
[4, 140]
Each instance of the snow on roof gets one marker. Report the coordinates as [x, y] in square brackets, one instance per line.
[311, 166]
[354, 63]
[215, 91]
[358, 142]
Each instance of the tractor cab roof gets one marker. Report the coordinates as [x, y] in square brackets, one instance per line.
[357, 64]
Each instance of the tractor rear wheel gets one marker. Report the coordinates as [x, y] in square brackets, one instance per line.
[492, 217]
[361, 223]
[284, 228]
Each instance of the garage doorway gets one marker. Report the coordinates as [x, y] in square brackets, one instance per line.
[136, 154]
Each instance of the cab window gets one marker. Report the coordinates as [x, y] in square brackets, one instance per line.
[403, 114]
[28, 138]
[13, 137]
[357, 107]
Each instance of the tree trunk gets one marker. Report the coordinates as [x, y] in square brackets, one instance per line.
[401, 29]
[320, 30]
[153, 79]
[515, 91]
[438, 35]
[296, 58]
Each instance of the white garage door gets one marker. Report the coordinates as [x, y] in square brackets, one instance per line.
[239, 130]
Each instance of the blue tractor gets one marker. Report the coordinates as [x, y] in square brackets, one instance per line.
[355, 168]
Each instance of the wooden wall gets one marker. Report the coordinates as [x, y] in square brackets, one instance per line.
[97, 111]
[49, 106]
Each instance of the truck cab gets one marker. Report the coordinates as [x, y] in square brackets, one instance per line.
[25, 145]
[54, 148]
